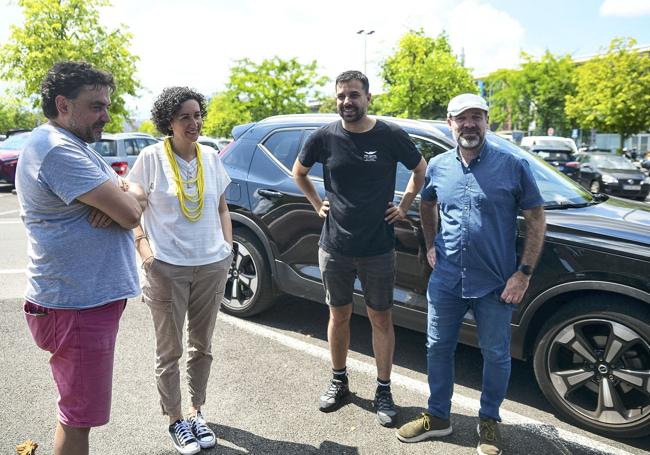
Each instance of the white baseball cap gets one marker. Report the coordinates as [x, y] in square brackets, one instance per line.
[466, 101]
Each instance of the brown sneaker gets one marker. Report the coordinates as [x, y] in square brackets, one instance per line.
[489, 437]
[423, 427]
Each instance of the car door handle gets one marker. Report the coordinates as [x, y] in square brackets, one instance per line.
[270, 194]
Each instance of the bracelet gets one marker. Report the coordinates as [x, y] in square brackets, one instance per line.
[141, 236]
[145, 261]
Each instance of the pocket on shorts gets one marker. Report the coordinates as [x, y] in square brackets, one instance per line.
[42, 326]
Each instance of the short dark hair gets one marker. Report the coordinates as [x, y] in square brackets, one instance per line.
[67, 79]
[168, 103]
[353, 75]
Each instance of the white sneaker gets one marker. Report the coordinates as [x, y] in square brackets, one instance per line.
[183, 439]
[202, 432]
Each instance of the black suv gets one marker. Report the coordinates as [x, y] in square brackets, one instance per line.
[585, 320]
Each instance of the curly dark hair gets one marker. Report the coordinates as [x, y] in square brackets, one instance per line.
[352, 75]
[67, 79]
[168, 103]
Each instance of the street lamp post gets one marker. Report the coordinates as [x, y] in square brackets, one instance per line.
[365, 34]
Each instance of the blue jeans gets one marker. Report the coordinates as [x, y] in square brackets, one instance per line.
[446, 311]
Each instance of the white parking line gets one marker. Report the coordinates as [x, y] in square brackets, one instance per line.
[9, 211]
[13, 271]
[14, 221]
[535, 426]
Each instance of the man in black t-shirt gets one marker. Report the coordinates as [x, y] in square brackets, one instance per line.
[359, 155]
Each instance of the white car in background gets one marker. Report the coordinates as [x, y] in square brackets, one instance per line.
[218, 144]
[120, 150]
[527, 142]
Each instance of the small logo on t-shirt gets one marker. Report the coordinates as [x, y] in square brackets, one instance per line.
[370, 156]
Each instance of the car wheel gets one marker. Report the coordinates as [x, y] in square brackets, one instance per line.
[594, 187]
[592, 361]
[248, 289]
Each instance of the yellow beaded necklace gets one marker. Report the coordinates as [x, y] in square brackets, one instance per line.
[184, 198]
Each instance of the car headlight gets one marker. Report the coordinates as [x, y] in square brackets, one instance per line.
[609, 179]
[646, 180]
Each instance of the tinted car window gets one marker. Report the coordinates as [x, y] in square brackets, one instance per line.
[317, 169]
[557, 189]
[283, 145]
[142, 143]
[428, 149]
[131, 147]
[105, 148]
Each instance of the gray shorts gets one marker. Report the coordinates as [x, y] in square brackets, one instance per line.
[376, 274]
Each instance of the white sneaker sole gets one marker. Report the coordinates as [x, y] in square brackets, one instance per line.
[427, 435]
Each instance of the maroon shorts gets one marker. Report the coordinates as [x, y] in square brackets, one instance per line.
[82, 344]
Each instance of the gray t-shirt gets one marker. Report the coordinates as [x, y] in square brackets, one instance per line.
[71, 263]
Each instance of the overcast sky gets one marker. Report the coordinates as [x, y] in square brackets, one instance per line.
[195, 42]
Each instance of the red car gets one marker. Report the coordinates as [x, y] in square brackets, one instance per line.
[9, 151]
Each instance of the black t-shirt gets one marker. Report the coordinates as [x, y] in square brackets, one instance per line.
[359, 173]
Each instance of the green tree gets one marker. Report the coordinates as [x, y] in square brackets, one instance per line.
[422, 76]
[57, 30]
[613, 91]
[14, 115]
[148, 127]
[258, 90]
[224, 113]
[534, 93]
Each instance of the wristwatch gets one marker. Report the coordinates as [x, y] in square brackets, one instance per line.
[525, 269]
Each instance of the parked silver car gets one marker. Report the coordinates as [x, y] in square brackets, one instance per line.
[120, 150]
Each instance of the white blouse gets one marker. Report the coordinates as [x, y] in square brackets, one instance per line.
[173, 238]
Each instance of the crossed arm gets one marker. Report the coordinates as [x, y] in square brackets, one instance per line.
[122, 203]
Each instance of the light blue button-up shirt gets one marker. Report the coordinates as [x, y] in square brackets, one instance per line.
[478, 216]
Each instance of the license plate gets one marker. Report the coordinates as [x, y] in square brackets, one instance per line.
[632, 187]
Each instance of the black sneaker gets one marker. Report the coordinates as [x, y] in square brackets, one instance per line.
[183, 439]
[334, 396]
[489, 437]
[201, 431]
[385, 408]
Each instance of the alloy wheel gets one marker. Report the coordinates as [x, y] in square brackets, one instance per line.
[243, 279]
[600, 369]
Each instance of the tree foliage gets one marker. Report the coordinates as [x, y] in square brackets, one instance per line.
[613, 91]
[224, 113]
[422, 76]
[57, 30]
[258, 90]
[148, 127]
[13, 114]
[535, 93]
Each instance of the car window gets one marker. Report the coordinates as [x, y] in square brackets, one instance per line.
[428, 149]
[612, 162]
[15, 141]
[554, 155]
[105, 147]
[317, 169]
[283, 145]
[142, 143]
[557, 189]
[131, 147]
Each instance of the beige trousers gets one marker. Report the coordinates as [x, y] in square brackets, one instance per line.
[171, 292]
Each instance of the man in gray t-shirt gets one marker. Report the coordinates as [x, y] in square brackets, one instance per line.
[78, 215]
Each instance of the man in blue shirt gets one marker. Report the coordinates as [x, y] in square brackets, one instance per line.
[475, 191]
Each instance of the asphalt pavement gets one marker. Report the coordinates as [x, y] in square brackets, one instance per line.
[266, 378]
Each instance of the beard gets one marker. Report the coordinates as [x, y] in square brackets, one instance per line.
[469, 140]
[89, 133]
[353, 114]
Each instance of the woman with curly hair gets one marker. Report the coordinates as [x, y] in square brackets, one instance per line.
[185, 244]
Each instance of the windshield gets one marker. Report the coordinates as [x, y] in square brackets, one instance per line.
[14, 142]
[557, 189]
[612, 162]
